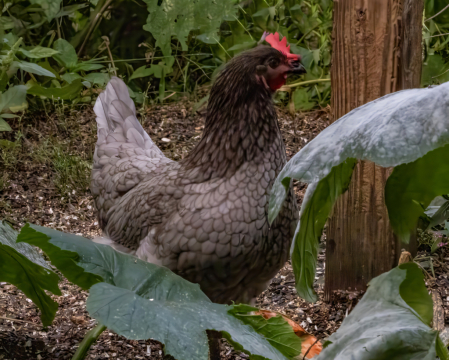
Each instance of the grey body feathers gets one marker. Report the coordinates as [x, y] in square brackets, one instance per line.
[206, 223]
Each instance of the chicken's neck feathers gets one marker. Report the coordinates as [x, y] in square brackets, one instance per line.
[241, 125]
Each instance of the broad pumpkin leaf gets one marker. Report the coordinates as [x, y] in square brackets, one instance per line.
[396, 129]
[23, 266]
[392, 321]
[140, 300]
[316, 207]
[277, 330]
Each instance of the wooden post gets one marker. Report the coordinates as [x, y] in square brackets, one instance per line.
[376, 50]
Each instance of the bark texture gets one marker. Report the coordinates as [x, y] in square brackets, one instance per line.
[376, 51]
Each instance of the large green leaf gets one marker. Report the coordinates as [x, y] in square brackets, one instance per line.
[395, 129]
[438, 214]
[4, 125]
[411, 187]
[70, 77]
[66, 92]
[38, 52]
[6, 23]
[243, 46]
[85, 66]
[66, 54]
[67, 253]
[143, 71]
[71, 9]
[32, 68]
[301, 99]
[179, 322]
[141, 300]
[13, 98]
[277, 331]
[391, 322]
[98, 78]
[50, 7]
[434, 70]
[306, 56]
[317, 205]
[23, 266]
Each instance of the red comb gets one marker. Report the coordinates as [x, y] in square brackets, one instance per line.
[281, 45]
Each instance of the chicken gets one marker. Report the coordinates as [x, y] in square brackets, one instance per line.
[205, 217]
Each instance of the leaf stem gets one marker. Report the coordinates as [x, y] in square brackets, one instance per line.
[91, 336]
[308, 82]
[446, 7]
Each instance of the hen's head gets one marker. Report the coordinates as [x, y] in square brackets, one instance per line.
[265, 66]
[278, 62]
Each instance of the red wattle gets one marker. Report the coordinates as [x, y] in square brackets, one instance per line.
[277, 83]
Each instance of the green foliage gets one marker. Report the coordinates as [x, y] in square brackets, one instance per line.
[9, 151]
[67, 92]
[23, 266]
[173, 48]
[436, 40]
[276, 330]
[141, 300]
[12, 100]
[176, 45]
[178, 18]
[72, 173]
[407, 200]
[314, 214]
[392, 321]
[438, 214]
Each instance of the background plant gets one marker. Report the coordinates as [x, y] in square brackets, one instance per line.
[65, 49]
[436, 39]
[165, 50]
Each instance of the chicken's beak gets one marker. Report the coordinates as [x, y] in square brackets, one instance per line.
[296, 67]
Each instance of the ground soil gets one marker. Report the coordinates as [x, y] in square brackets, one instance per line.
[33, 188]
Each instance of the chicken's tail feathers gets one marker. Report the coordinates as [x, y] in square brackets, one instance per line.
[105, 109]
[116, 119]
[124, 153]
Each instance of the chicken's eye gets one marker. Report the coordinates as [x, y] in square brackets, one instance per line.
[274, 63]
